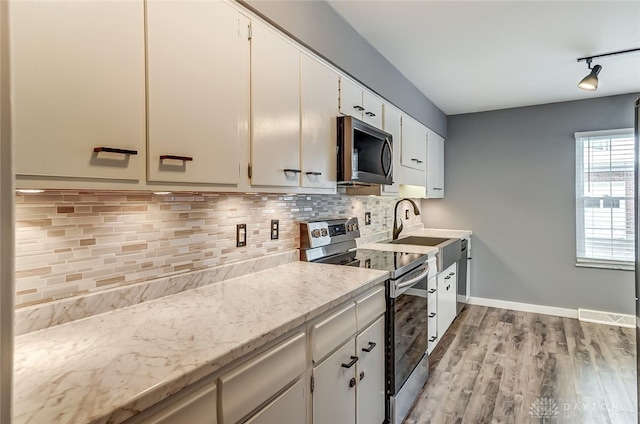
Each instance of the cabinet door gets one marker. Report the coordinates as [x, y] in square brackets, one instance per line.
[370, 372]
[78, 83]
[319, 109]
[198, 77]
[414, 144]
[435, 165]
[447, 298]
[351, 98]
[372, 113]
[392, 118]
[289, 407]
[197, 408]
[334, 394]
[275, 110]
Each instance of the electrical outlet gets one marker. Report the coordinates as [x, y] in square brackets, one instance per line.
[406, 214]
[275, 229]
[241, 235]
[367, 218]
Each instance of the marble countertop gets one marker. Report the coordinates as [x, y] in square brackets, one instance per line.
[104, 368]
[424, 232]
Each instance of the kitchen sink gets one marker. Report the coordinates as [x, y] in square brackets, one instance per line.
[448, 248]
[421, 241]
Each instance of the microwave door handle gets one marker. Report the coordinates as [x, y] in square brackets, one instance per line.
[388, 144]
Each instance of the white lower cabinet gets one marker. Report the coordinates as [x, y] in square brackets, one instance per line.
[370, 391]
[289, 407]
[447, 298]
[334, 387]
[349, 385]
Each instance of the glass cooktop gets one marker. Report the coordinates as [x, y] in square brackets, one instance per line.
[397, 263]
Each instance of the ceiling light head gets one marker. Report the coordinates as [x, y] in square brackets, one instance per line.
[590, 82]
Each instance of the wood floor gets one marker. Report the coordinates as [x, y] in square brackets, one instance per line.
[501, 366]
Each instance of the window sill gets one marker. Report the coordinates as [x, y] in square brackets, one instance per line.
[605, 265]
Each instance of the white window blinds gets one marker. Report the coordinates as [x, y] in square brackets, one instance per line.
[605, 198]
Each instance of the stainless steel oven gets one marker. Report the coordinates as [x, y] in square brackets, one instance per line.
[407, 323]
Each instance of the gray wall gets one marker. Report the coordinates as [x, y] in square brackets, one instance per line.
[316, 25]
[6, 229]
[510, 177]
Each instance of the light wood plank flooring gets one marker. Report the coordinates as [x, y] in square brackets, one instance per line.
[501, 366]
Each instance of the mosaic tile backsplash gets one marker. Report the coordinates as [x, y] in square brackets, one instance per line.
[69, 243]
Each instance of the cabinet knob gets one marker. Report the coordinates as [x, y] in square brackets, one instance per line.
[452, 273]
[447, 277]
[361, 375]
[370, 114]
[293, 171]
[433, 339]
[358, 107]
[351, 363]
[314, 173]
[448, 287]
[352, 382]
[369, 348]
[416, 160]
[432, 291]
[432, 315]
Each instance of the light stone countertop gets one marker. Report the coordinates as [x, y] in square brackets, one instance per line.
[424, 232]
[104, 368]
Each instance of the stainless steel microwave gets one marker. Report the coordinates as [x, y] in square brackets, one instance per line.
[365, 153]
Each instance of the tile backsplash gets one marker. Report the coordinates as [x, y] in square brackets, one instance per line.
[69, 243]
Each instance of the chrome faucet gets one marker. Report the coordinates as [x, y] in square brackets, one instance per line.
[397, 230]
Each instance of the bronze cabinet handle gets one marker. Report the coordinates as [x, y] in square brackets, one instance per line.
[369, 348]
[174, 157]
[115, 150]
[351, 363]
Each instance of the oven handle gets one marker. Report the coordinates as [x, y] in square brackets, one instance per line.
[413, 280]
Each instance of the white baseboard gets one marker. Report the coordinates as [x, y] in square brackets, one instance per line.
[524, 307]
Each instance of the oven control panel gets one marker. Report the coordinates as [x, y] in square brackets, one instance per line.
[325, 232]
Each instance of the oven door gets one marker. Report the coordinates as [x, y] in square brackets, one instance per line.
[408, 323]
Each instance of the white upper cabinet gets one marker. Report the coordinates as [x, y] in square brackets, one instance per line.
[360, 103]
[198, 89]
[319, 110]
[78, 88]
[435, 166]
[414, 144]
[275, 110]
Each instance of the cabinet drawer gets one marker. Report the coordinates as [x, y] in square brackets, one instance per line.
[370, 307]
[198, 407]
[332, 331]
[254, 382]
[289, 407]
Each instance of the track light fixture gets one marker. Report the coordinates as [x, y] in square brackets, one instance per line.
[590, 82]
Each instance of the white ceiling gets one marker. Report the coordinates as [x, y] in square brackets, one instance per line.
[470, 56]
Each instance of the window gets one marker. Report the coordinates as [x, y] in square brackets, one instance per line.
[605, 187]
